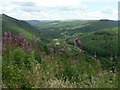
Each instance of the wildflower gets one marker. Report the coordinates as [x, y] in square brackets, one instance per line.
[53, 56]
[57, 43]
[52, 49]
[10, 38]
[20, 34]
[19, 37]
[95, 55]
[23, 44]
[4, 49]
[77, 42]
[30, 49]
[5, 34]
[63, 50]
[25, 40]
[9, 33]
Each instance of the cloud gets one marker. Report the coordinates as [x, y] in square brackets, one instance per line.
[110, 10]
[60, 0]
[30, 9]
[89, 15]
[73, 8]
[57, 9]
[13, 7]
[24, 3]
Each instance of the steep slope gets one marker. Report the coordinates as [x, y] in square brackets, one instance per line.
[17, 26]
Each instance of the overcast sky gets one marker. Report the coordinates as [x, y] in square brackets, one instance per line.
[60, 9]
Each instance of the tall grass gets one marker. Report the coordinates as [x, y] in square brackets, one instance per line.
[27, 64]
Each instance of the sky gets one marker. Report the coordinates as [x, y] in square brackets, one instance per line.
[60, 9]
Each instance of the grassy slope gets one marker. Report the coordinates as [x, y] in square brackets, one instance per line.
[17, 26]
[39, 71]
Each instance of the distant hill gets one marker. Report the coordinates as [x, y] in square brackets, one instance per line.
[97, 25]
[96, 35]
[62, 29]
[38, 22]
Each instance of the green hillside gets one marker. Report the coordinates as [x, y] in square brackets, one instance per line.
[62, 29]
[55, 61]
[104, 42]
[99, 36]
[17, 26]
[37, 22]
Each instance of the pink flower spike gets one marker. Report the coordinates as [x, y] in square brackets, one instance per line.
[63, 50]
[30, 49]
[52, 49]
[4, 49]
[95, 55]
[5, 34]
[9, 33]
